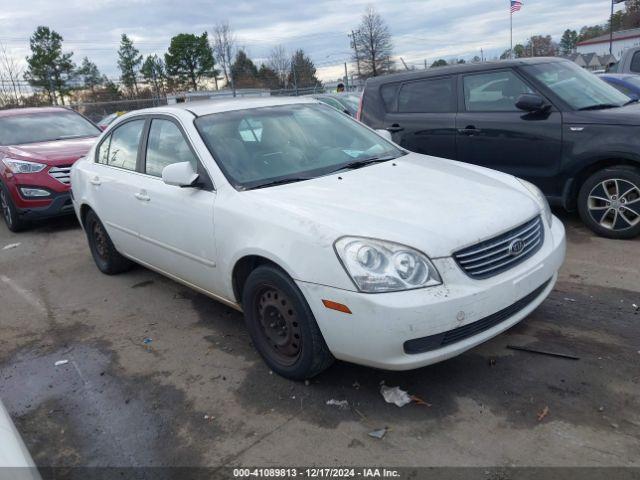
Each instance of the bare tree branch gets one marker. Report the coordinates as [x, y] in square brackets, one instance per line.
[373, 45]
[224, 49]
[11, 74]
[280, 62]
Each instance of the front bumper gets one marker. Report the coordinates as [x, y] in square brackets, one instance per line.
[60, 204]
[380, 324]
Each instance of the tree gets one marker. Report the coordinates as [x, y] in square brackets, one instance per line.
[268, 78]
[476, 59]
[372, 44]
[568, 42]
[11, 75]
[541, 46]
[280, 62]
[303, 71]
[224, 47]
[153, 71]
[89, 74]
[243, 72]
[519, 51]
[129, 61]
[439, 63]
[190, 58]
[47, 67]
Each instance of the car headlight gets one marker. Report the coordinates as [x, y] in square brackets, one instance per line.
[377, 266]
[22, 166]
[540, 198]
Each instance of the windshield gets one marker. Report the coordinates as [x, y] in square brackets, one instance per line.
[43, 127]
[577, 87]
[257, 147]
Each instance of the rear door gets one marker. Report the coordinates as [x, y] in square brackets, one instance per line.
[494, 133]
[175, 224]
[421, 115]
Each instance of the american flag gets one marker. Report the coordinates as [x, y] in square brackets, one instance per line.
[515, 6]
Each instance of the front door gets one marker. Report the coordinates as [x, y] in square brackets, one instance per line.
[494, 133]
[175, 224]
[422, 116]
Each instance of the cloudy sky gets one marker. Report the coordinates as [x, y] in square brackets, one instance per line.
[421, 29]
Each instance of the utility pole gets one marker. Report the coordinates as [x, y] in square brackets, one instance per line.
[482, 55]
[354, 44]
[346, 78]
[613, 3]
[425, 63]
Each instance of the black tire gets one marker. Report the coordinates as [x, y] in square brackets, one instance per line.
[609, 202]
[107, 258]
[292, 344]
[9, 212]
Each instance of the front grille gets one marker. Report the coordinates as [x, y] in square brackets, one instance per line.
[439, 340]
[61, 173]
[501, 253]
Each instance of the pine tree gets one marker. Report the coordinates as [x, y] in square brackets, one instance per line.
[129, 61]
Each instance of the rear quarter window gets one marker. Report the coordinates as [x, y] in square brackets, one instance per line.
[389, 94]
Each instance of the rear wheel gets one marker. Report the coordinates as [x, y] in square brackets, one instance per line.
[9, 211]
[609, 202]
[282, 325]
[107, 258]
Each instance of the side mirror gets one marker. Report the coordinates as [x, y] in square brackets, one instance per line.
[386, 134]
[179, 174]
[531, 102]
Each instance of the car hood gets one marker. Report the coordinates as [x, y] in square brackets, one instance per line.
[629, 115]
[437, 206]
[59, 152]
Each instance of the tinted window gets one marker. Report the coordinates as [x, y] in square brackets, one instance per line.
[635, 62]
[44, 127]
[256, 146]
[166, 145]
[427, 96]
[123, 147]
[389, 93]
[493, 92]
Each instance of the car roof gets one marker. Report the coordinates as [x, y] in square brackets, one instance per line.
[462, 68]
[202, 107]
[26, 111]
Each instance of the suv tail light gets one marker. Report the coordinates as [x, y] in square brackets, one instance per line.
[359, 112]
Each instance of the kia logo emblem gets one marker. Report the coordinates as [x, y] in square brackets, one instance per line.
[516, 247]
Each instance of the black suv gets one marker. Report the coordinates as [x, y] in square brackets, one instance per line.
[545, 120]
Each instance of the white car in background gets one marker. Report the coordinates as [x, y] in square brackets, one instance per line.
[333, 241]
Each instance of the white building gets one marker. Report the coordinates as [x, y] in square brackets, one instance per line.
[621, 41]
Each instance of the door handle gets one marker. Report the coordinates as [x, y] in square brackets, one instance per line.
[143, 197]
[470, 130]
[95, 181]
[394, 128]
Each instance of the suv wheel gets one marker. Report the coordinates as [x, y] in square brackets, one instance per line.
[282, 326]
[105, 255]
[9, 212]
[609, 202]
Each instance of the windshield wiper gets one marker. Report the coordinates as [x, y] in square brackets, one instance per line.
[363, 162]
[633, 100]
[600, 106]
[282, 181]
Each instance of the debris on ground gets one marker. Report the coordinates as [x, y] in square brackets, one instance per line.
[543, 352]
[601, 409]
[11, 245]
[567, 299]
[209, 418]
[492, 362]
[147, 343]
[395, 395]
[418, 401]
[615, 425]
[378, 433]
[636, 307]
[61, 362]
[341, 404]
[356, 385]
[543, 413]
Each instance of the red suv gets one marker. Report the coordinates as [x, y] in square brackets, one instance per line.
[37, 148]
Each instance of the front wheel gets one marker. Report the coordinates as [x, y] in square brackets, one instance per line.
[9, 211]
[609, 202]
[282, 326]
[107, 258]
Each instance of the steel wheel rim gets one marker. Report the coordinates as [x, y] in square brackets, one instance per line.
[100, 240]
[279, 326]
[6, 211]
[614, 204]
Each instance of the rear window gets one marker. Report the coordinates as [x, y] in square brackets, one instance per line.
[44, 127]
[427, 96]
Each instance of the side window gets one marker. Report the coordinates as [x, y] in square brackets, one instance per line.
[635, 63]
[166, 145]
[123, 147]
[427, 96]
[493, 92]
[103, 151]
[389, 94]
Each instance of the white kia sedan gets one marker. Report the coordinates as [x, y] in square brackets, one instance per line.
[333, 241]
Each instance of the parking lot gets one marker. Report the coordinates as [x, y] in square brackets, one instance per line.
[196, 393]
